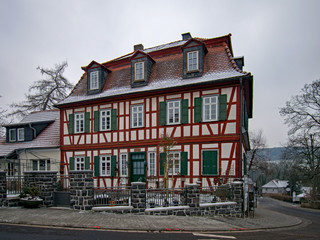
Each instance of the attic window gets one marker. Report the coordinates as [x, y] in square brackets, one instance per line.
[94, 80]
[12, 135]
[20, 134]
[139, 71]
[193, 61]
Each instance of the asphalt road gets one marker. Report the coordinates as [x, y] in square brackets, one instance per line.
[309, 229]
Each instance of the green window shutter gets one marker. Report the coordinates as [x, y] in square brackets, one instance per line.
[71, 164]
[86, 122]
[245, 164]
[210, 162]
[114, 120]
[96, 166]
[184, 111]
[162, 113]
[96, 123]
[184, 163]
[113, 166]
[162, 160]
[222, 107]
[246, 120]
[71, 123]
[87, 163]
[197, 110]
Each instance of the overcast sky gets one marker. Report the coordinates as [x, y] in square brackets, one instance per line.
[278, 39]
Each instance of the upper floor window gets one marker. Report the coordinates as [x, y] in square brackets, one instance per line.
[20, 134]
[139, 71]
[210, 108]
[94, 80]
[173, 112]
[12, 135]
[137, 116]
[79, 122]
[105, 120]
[193, 61]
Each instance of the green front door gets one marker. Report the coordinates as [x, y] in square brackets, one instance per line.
[137, 166]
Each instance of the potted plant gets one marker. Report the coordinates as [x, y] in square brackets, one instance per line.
[29, 197]
[175, 202]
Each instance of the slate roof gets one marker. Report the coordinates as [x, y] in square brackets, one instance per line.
[276, 184]
[166, 72]
[48, 138]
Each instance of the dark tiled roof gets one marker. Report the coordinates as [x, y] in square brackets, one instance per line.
[48, 138]
[166, 72]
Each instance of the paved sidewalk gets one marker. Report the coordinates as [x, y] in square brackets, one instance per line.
[69, 218]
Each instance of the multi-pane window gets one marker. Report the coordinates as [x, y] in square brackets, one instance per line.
[152, 164]
[94, 80]
[79, 122]
[79, 163]
[210, 108]
[105, 165]
[137, 116]
[193, 61]
[139, 71]
[41, 165]
[12, 135]
[20, 134]
[173, 114]
[174, 163]
[123, 165]
[105, 120]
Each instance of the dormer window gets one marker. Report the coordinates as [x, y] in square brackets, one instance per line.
[193, 61]
[94, 80]
[12, 135]
[139, 71]
[20, 134]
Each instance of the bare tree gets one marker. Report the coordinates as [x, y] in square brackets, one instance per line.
[257, 143]
[44, 93]
[302, 112]
[3, 120]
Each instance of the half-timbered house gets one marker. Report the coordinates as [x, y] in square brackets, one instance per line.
[193, 90]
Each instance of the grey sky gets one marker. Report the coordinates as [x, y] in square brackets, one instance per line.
[279, 40]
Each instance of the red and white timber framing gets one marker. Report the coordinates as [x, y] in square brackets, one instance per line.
[193, 138]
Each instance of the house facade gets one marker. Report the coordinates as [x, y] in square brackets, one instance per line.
[275, 186]
[193, 91]
[33, 144]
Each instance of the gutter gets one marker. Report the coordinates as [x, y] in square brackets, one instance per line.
[34, 131]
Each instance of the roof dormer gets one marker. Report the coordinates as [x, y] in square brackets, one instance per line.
[194, 51]
[96, 77]
[141, 64]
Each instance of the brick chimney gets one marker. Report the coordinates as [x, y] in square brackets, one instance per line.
[138, 47]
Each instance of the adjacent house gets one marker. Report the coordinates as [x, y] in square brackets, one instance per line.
[275, 186]
[33, 144]
[192, 90]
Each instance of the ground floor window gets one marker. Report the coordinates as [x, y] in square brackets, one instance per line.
[174, 163]
[105, 165]
[123, 165]
[41, 165]
[152, 164]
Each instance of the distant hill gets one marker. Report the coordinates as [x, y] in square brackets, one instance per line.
[274, 154]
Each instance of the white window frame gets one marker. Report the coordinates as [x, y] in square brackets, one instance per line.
[79, 122]
[105, 120]
[105, 165]
[123, 165]
[152, 164]
[79, 163]
[137, 116]
[193, 66]
[94, 80]
[176, 157]
[13, 135]
[210, 116]
[172, 114]
[20, 134]
[139, 71]
[46, 165]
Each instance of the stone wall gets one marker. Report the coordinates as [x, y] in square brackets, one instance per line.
[138, 197]
[81, 189]
[3, 188]
[46, 181]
